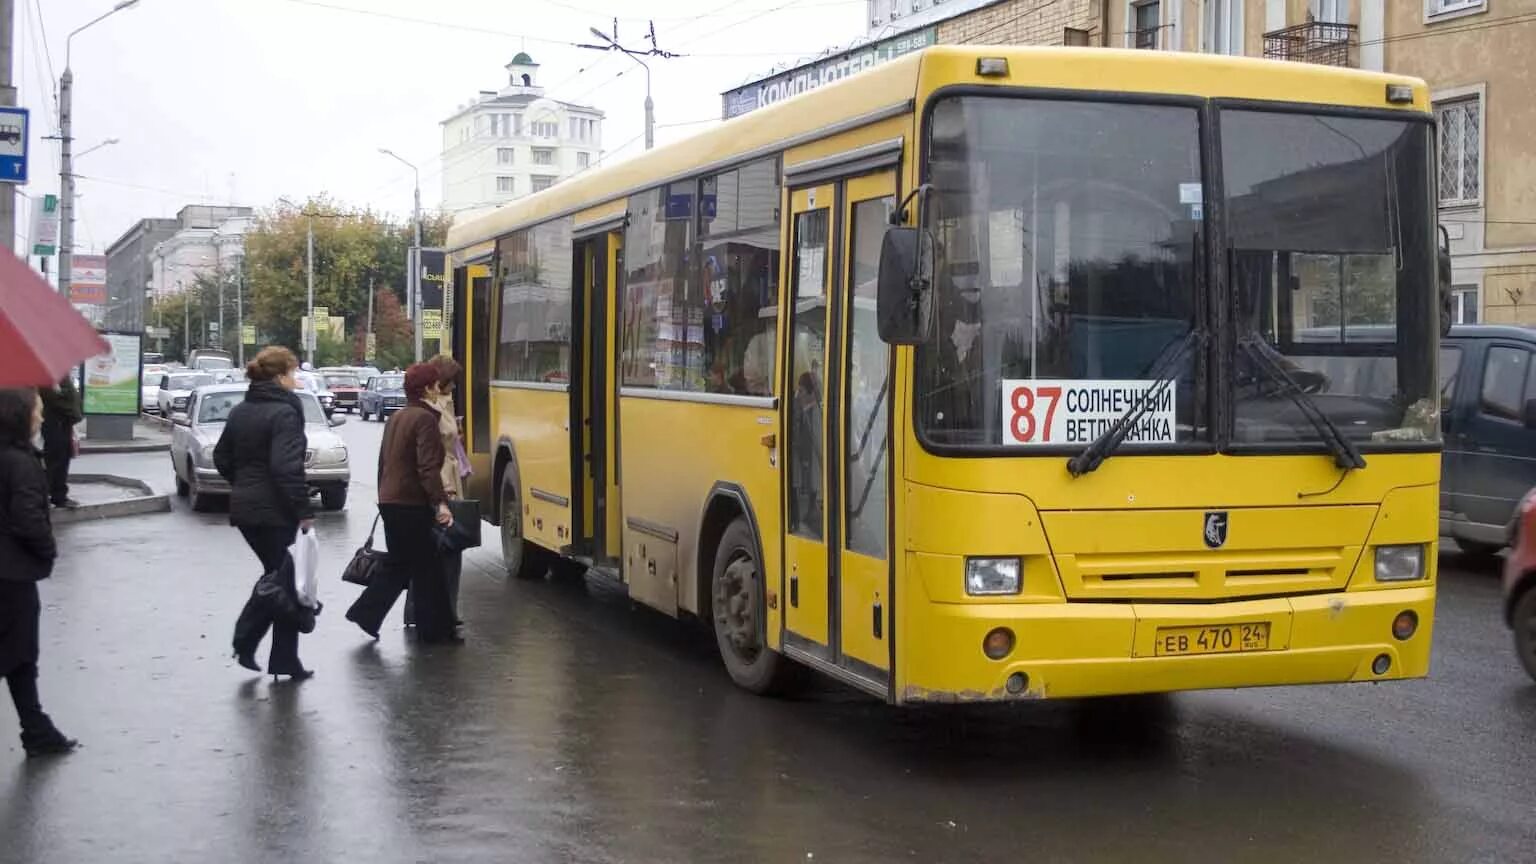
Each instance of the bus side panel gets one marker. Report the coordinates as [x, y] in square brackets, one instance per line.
[673, 453]
[537, 423]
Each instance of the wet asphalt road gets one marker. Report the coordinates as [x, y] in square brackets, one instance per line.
[573, 727]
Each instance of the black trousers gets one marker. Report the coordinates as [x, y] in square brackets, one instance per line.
[413, 562]
[271, 545]
[58, 449]
[453, 568]
[20, 611]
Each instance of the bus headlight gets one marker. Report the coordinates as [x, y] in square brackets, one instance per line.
[989, 576]
[1399, 563]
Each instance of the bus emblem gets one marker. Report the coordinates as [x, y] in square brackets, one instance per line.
[1215, 528]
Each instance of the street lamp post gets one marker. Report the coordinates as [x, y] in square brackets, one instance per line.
[309, 270]
[413, 261]
[650, 107]
[66, 144]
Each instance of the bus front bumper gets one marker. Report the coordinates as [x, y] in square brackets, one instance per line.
[1063, 650]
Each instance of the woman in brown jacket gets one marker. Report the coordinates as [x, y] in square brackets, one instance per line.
[411, 497]
[440, 398]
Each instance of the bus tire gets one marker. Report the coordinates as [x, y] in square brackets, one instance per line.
[738, 608]
[523, 560]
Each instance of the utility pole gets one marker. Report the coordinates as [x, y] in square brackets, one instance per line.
[611, 43]
[66, 148]
[309, 310]
[413, 259]
[368, 334]
[240, 309]
[7, 97]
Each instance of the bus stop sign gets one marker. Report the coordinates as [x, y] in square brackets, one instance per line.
[13, 145]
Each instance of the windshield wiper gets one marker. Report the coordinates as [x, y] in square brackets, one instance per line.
[1345, 454]
[1163, 373]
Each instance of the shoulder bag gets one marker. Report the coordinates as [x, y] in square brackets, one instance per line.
[366, 561]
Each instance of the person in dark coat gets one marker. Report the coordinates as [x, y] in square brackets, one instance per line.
[411, 500]
[27, 552]
[261, 454]
[61, 413]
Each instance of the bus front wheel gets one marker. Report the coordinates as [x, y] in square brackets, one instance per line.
[523, 560]
[738, 606]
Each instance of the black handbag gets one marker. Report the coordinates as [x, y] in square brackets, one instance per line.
[464, 533]
[366, 561]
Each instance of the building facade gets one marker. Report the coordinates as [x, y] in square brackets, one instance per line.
[130, 270]
[513, 142]
[209, 241]
[1473, 54]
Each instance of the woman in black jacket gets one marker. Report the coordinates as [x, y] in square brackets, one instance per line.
[26, 557]
[261, 454]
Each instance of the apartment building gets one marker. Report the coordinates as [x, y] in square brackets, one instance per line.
[1475, 55]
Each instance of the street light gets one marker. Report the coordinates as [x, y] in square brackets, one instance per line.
[66, 161]
[83, 153]
[650, 107]
[413, 261]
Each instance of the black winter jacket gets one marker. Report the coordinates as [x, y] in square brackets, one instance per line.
[261, 454]
[26, 532]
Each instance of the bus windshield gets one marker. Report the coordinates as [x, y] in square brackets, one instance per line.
[1329, 255]
[1065, 250]
[1071, 251]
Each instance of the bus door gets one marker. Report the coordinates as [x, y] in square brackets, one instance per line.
[836, 389]
[473, 311]
[594, 401]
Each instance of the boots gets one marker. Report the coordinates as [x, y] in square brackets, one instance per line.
[39, 737]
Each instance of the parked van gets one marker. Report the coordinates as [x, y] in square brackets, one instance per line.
[1488, 415]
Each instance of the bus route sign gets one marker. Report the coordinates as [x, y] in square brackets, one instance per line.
[1044, 412]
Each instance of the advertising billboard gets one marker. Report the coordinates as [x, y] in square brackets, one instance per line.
[793, 82]
[111, 384]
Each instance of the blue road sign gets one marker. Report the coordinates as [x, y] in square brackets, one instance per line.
[13, 144]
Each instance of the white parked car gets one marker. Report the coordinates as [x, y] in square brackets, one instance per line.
[176, 389]
[149, 387]
[326, 463]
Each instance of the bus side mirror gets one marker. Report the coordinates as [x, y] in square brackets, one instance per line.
[904, 303]
[1443, 278]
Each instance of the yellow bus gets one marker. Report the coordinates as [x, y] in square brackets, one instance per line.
[990, 373]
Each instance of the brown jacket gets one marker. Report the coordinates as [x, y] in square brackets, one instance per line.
[411, 458]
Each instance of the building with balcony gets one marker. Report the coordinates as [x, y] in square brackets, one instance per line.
[1473, 54]
[515, 141]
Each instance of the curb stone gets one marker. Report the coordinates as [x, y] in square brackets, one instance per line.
[144, 502]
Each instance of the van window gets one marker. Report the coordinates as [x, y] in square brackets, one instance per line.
[1504, 381]
[1450, 364]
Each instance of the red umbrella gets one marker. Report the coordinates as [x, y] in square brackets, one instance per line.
[41, 336]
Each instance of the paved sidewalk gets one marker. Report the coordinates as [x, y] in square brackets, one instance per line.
[149, 436]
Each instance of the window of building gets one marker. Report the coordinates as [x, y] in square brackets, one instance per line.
[1504, 378]
[1224, 26]
[545, 129]
[1464, 304]
[1437, 8]
[1461, 136]
[1146, 20]
[517, 125]
[506, 185]
[533, 276]
[543, 156]
[505, 155]
[583, 160]
[539, 184]
[1329, 11]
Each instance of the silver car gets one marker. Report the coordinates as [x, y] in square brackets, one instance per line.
[326, 463]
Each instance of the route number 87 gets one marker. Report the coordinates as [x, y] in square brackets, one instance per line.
[1024, 419]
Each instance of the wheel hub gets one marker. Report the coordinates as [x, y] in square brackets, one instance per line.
[736, 607]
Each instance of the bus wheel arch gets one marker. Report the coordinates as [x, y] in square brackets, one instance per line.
[732, 592]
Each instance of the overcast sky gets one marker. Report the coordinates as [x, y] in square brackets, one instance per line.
[243, 101]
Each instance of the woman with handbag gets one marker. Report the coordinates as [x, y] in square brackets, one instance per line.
[411, 501]
[455, 469]
[261, 454]
[27, 552]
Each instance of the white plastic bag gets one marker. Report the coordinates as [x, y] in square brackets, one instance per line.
[306, 567]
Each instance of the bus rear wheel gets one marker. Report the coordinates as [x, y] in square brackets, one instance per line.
[523, 560]
[738, 606]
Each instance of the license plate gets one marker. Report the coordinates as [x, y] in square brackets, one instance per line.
[1220, 639]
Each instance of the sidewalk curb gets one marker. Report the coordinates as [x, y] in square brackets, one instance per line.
[86, 447]
[146, 502]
